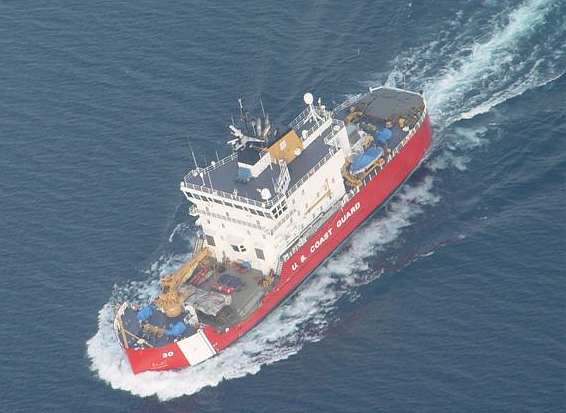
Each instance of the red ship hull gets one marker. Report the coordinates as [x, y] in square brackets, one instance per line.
[307, 258]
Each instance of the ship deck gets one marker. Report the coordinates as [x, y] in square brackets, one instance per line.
[382, 109]
[224, 177]
[215, 307]
[244, 299]
[387, 103]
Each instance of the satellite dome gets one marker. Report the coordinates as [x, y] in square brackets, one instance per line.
[308, 98]
[265, 194]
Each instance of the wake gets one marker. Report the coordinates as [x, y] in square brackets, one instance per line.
[474, 80]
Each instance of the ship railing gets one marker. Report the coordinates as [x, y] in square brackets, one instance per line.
[280, 222]
[279, 267]
[218, 164]
[301, 118]
[198, 244]
[307, 133]
[397, 148]
[266, 204]
[315, 168]
[335, 127]
[227, 195]
[305, 116]
[232, 220]
[346, 103]
[284, 178]
[308, 230]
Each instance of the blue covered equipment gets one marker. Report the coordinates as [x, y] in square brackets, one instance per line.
[176, 329]
[144, 313]
[383, 135]
[365, 160]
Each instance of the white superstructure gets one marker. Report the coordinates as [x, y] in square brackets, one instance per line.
[286, 186]
[257, 203]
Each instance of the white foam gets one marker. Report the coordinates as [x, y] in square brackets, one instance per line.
[181, 230]
[476, 77]
[305, 316]
[489, 72]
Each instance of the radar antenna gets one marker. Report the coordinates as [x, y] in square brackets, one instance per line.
[250, 129]
[240, 140]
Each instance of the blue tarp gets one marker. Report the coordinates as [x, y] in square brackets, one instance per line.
[244, 174]
[144, 313]
[365, 159]
[176, 329]
[383, 135]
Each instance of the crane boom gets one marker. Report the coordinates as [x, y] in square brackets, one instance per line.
[170, 301]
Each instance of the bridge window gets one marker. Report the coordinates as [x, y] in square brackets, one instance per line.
[210, 240]
[259, 254]
[238, 248]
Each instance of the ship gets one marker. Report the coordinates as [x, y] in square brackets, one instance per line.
[269, 214]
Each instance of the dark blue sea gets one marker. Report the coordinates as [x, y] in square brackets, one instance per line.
[451, 298]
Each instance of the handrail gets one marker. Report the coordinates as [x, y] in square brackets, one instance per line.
[218, 164]
[266, 204]
[280, 222]
[274, 200]
[313, 227]
[397, 149]
[328, 139]
[347, 102]
[234, 220]
[315, 168]
[223, 194]
[303, 117]
[313, 129]
[300, 118]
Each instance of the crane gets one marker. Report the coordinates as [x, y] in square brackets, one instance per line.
[170, 300]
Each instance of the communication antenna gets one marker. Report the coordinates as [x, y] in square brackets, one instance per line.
[241, 107]
[258, 124]
[262, 109]
[192, 153]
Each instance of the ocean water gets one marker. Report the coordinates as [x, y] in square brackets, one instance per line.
[450, 298]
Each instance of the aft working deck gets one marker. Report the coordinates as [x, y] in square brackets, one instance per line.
[219, 295]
